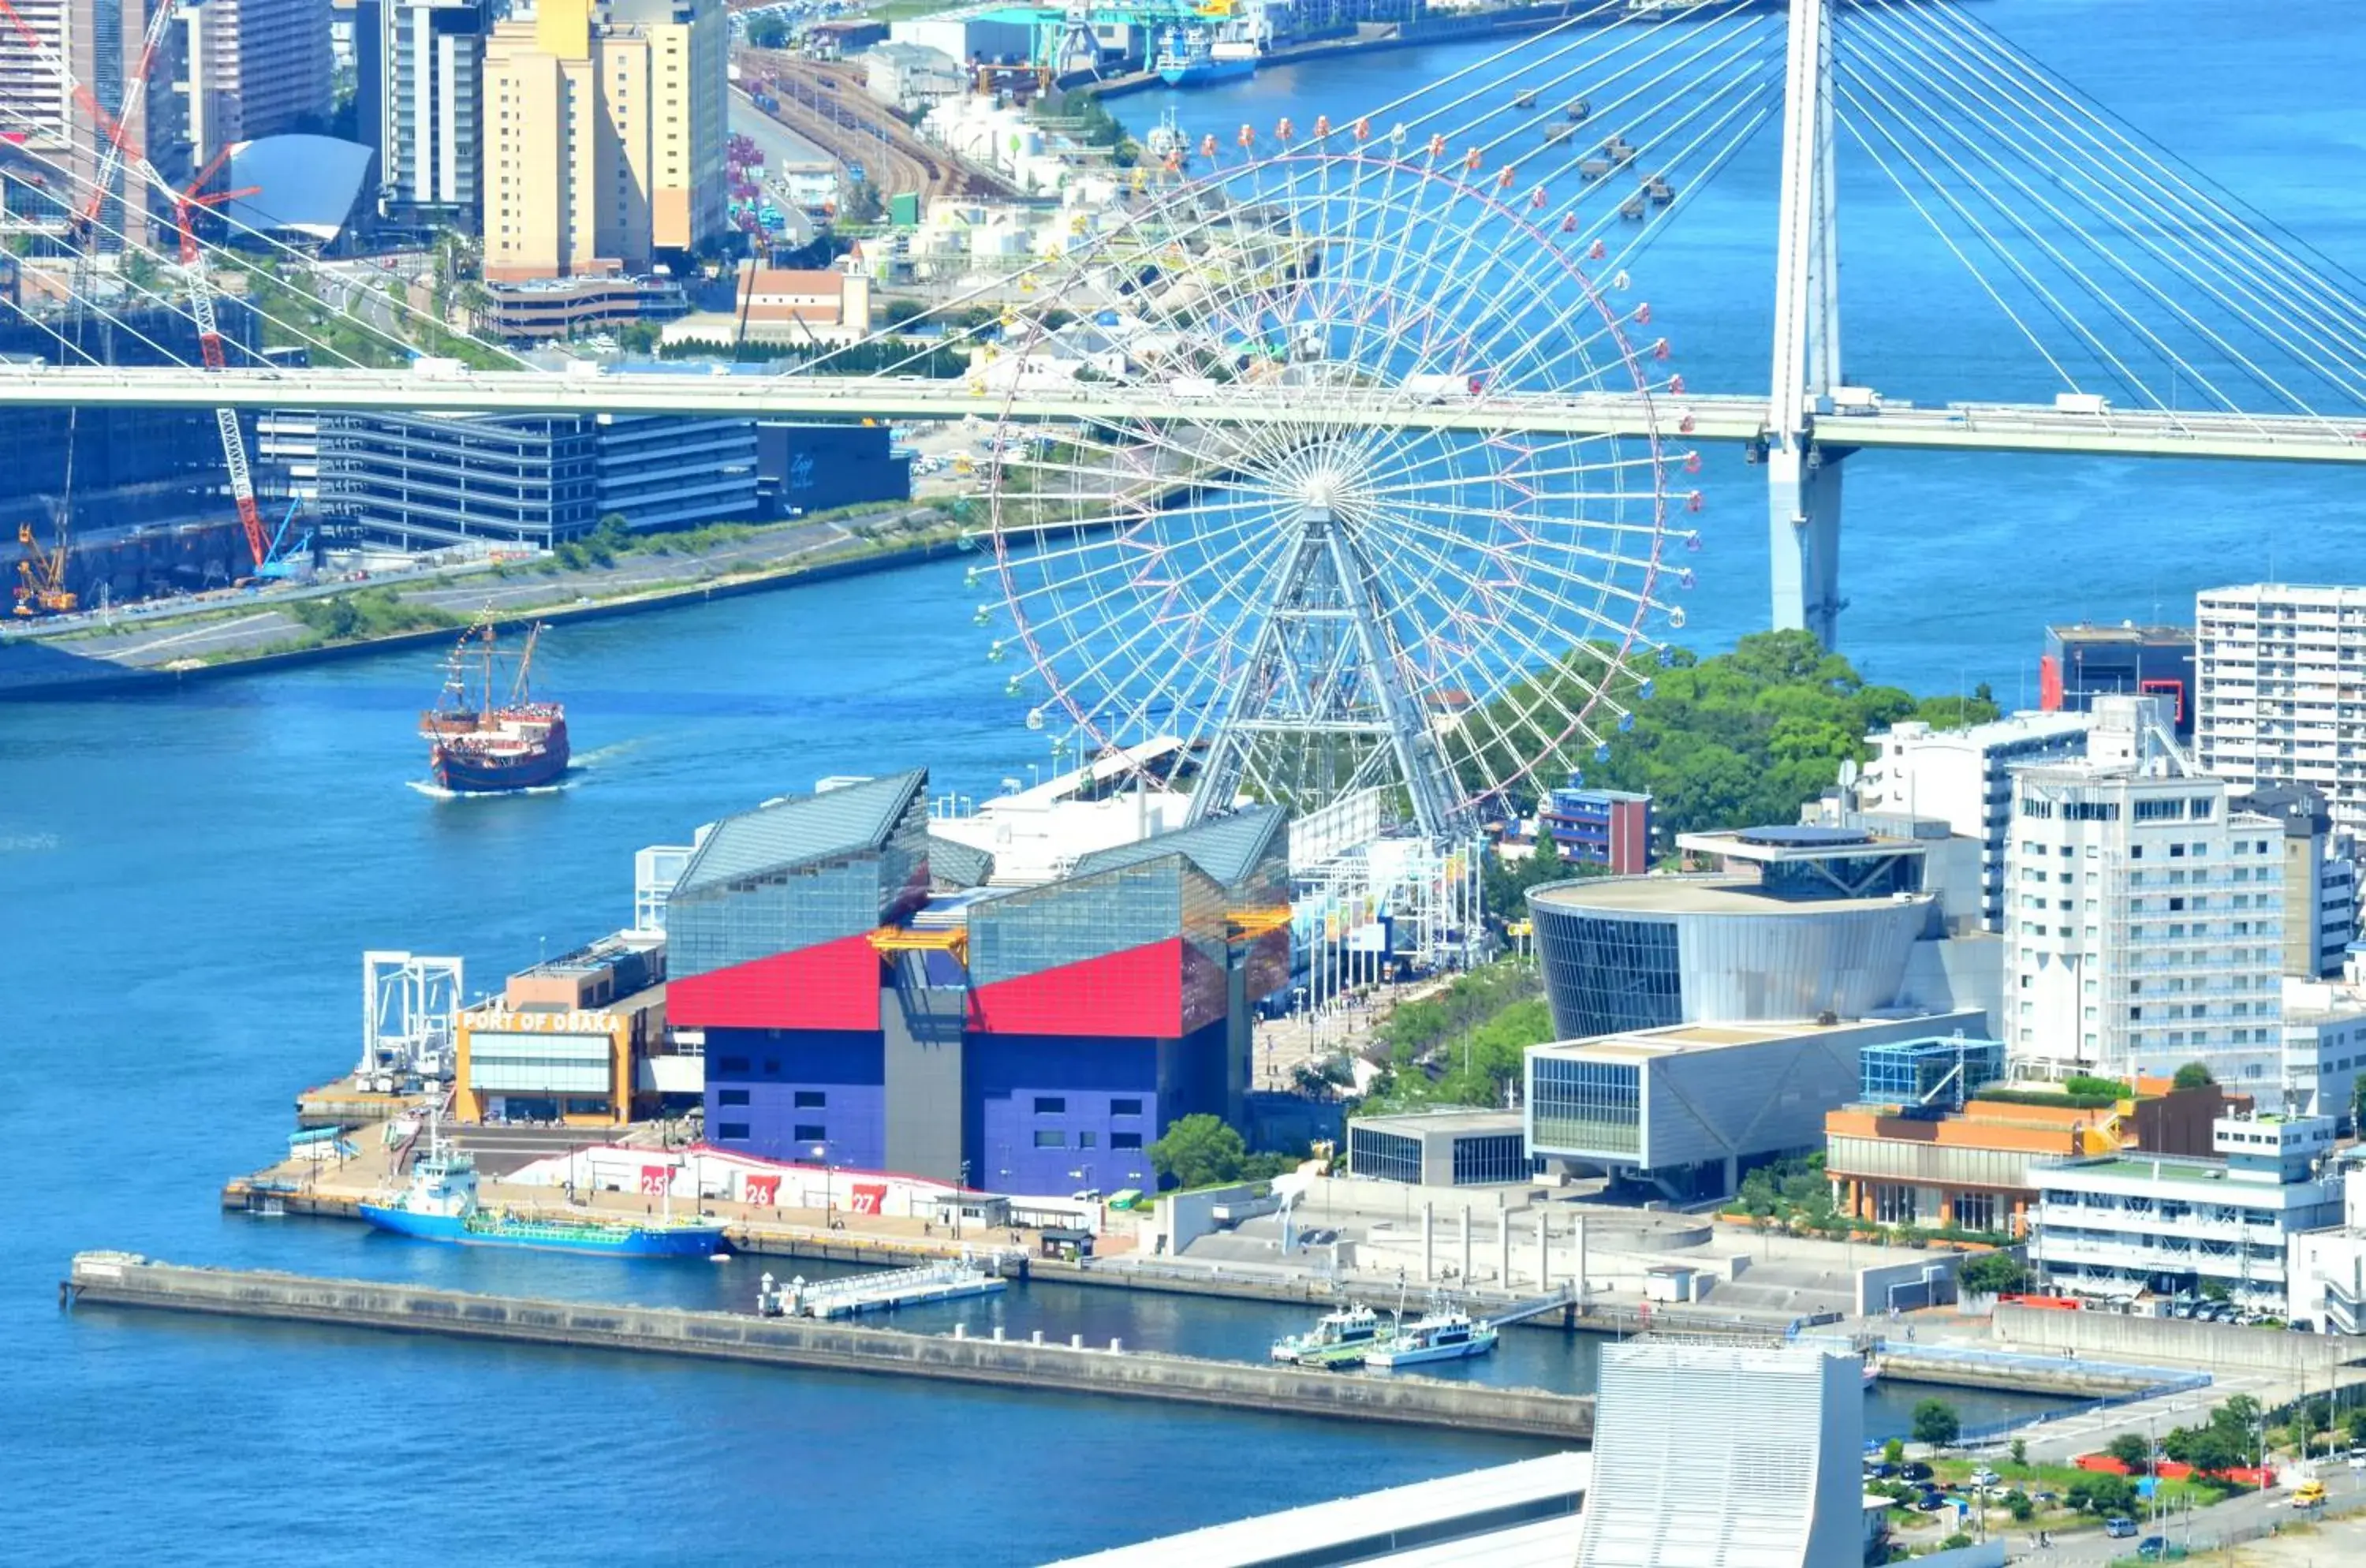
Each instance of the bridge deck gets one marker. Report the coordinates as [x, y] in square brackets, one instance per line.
[1680, 421]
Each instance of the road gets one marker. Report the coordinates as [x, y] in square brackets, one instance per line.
[162, 638]
[2207, 1529]
[1984, 426]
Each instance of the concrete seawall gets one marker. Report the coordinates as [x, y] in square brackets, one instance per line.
[125, 1279]
[2181, 1342]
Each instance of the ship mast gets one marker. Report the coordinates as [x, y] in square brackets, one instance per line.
[519, 692]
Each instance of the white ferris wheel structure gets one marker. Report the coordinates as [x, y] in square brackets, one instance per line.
[1457, 615]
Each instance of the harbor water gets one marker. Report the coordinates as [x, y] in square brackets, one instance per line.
[187, 883]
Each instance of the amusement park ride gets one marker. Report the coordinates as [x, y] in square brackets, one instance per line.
[1389, 492]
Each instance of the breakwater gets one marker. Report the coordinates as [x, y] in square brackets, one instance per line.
[127, 1279]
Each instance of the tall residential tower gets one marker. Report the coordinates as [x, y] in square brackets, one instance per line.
[603, 136]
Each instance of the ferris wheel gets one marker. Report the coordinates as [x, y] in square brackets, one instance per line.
[1381, 579]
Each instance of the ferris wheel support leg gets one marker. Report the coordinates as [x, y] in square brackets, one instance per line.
[1804, 539]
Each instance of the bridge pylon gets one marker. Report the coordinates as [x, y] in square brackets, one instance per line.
[1804, 483]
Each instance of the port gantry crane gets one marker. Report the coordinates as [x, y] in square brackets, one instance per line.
[42, 588]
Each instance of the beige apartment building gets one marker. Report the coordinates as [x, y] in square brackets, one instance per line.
[603, 136]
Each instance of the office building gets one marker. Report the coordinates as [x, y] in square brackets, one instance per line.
[603, 136]
[1896, 1159]
[547, 307]
[1964, 778]
[577, 1039]
[1728, 1454]
[1688, 1107]
[2328, 1266]
[912, 77]
[2146, 922]
[856, 1007]
[419, 75]
[428, 481]
[2121, 1226]
[2278, 671]
[251, 68]
[1440, 1148]
[2320, 878]
[2083, 662]
[1800, 922]
[1599, 827]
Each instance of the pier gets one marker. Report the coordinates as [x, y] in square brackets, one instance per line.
[853, 1294]
[128, 1280]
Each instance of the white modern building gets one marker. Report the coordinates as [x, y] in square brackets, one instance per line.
[2324, 1046]
[2145, 919]
[2279, 676]
[912, 77]
[2329, 1266]
[2119, 1226]
[1719, 1453]
[1685, 1106]
[1964, 777]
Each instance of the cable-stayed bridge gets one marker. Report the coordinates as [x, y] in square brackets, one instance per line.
[1397, 372]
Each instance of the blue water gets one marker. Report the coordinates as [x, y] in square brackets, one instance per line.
[187, 883]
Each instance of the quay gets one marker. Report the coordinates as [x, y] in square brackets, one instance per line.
[853, 1294]
[129, 1280]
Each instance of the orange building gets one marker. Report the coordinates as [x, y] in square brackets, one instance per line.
[1971, 1168]
[567, 1038]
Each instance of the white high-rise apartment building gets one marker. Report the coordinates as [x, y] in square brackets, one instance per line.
[2280, 690]
[419, 84]
[2143, 919]
[1964, 778]
[254, 68]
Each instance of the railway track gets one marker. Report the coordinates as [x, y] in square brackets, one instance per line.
[827, 105]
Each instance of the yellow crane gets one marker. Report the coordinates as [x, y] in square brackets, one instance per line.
[41, 571]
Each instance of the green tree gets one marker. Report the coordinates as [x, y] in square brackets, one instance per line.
[861, 203]
[2132, 1449]
[2212, 1451]
[2017, 1504]
[1936, 1423]
[2020, 1453]
[1991, 1273]
[768, 30]
[2194, 1075]
[1894, 1451]
[1198, 1151]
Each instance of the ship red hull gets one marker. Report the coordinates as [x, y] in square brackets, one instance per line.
[466, 770]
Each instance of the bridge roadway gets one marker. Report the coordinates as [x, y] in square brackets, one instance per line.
[1681, 419]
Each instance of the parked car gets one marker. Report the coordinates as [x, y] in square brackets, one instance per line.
[2120, 1529]
[1916, 1470]
[1984, 1476]
[2182, 1308]
[2152, 1548]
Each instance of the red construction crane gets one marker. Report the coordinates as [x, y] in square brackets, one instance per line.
[187, 204]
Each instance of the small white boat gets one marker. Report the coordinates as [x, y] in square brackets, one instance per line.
[1435, 1337]
[1338, 1337]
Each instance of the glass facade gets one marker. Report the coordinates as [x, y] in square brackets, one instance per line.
[1383, 1156]
[773, 912]
[1087, 917]
[1603, 974]
[1585, 1108]
[1490, 1159]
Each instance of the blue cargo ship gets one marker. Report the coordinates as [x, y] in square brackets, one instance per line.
[440, 1204]
[1194, 57]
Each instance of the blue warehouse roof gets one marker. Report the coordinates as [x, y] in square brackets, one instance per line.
[802, 828]
[1226, 848]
